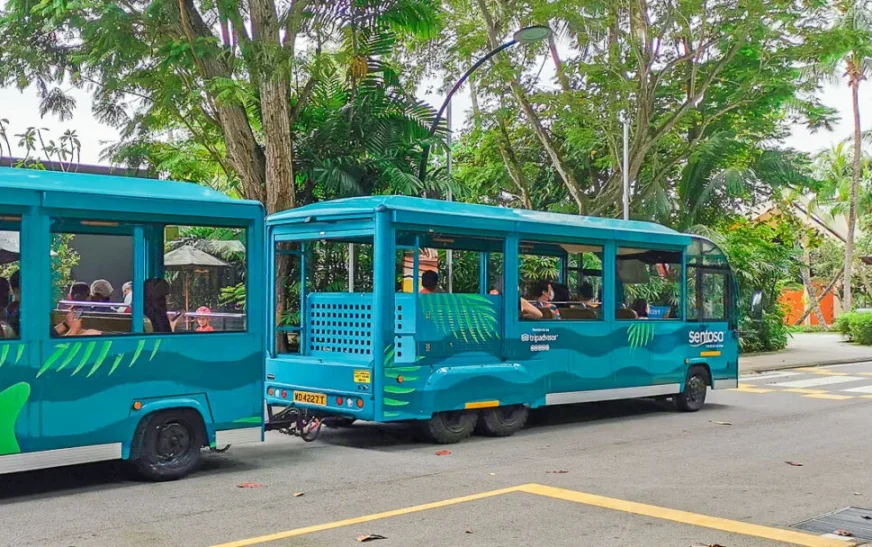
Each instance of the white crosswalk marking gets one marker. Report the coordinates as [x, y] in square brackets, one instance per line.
[861, 389]
[767, 376]
[820, 381]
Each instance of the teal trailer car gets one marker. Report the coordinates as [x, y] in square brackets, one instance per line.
[117, 340]
[463, 317]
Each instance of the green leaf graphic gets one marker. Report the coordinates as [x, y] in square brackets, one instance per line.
[399, 390]
[100, 358]
[154, 350]
[20, 353]
[116, 363]
[393, 402]
[390, 414]
[59, 350]
[136, 353]
[70, 356]
[4, 353]
[85, 356]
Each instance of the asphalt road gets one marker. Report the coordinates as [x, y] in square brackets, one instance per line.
[619, 474]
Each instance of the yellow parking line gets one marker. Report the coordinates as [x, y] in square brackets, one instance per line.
[664, 513]
[365, 518]
[867, 396]
[745, 388]
[830, 397]
[683, 517]
[806, 391]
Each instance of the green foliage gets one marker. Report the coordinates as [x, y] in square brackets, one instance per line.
[843, 325]
[861, 328]
[763, 257]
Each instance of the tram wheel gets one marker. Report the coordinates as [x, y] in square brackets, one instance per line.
[169, 444]
[502, 421]
[695, 390]
[449, 427]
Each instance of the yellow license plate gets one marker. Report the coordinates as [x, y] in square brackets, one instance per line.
[310, 398]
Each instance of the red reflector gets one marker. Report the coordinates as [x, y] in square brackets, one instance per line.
[284, 394]
[271, 392]
[400, 379]
[339, 401]
[360, 403]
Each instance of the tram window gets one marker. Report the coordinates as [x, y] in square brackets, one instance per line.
[339, 266]
[288, 292]
[710, 303]
[203, 286]
[92, 264]
[648, 284]
[449, 264]
[10, 279]
[563, 280]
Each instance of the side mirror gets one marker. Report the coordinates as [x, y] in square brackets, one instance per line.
[757, 305]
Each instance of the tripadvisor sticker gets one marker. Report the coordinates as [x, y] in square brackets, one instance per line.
[361, 376]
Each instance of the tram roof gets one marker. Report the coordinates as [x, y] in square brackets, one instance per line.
[108, 186]
[481, 216]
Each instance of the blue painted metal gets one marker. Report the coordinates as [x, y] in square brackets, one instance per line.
[473, 347]
[81, 389]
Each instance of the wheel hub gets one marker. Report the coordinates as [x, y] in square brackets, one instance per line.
[696, 389]
[173, 440]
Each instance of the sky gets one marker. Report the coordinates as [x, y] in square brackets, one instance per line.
[22, 111]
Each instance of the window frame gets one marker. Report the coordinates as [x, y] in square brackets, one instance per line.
[682, 268]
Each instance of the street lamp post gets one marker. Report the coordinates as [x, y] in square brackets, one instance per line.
[525, 35]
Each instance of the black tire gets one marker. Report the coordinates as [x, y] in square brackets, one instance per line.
[169, 444]
[695, 390]
[502, 421]
[449, 427]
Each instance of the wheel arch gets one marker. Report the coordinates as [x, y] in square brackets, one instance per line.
[198, 405]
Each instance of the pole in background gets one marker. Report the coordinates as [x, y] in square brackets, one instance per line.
[450, 253]
[626, 170]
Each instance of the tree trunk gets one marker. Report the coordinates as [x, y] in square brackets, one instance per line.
[275, 106]
[556, 159]
[855, 76]
[805, 272]
[821, 297]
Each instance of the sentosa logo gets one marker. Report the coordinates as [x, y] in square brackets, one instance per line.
[696, 338]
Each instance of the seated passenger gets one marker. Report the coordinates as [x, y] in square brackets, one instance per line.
[101, 291]
[561, 293]
[5, 328]
[73, 325]
[203, 320]
[13, 310]
[127, 292]
[542, 294]
[429, 282]
[585, 295]
[155, 303]
[641, 307]
[528, 311]
[79, 292]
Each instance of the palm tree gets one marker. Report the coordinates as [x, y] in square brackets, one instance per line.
[851, 59]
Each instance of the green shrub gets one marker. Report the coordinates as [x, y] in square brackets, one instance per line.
[861, 328]
[843, 325]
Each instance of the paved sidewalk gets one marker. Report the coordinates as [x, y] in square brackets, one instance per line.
[807, 350]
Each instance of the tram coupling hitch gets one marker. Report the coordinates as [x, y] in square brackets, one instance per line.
[296, 422]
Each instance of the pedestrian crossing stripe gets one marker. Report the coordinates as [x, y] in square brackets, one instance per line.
[829, 396]
[805, 391]
[751, 389]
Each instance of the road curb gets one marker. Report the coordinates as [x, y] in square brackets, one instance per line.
[788, 366]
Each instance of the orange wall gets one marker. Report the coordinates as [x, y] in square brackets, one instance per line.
[795, 302]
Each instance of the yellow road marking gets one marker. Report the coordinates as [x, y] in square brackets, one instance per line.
[805, 391]
[482, 404]
[365, 518]
[683, 517]
[664, 513]
[830, 397]
[867, 396]
[827, 372]
[749, 389]
[863, 373]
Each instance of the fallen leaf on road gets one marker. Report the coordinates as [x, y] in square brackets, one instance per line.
[492, 474]
[469, 531]
[298, 494]
[369, 537]
[250, 485]
[720, 423]
[857, 494]
[794, 464]
[443, 453]
[867, 517]
[843, 533]
[557, 472]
